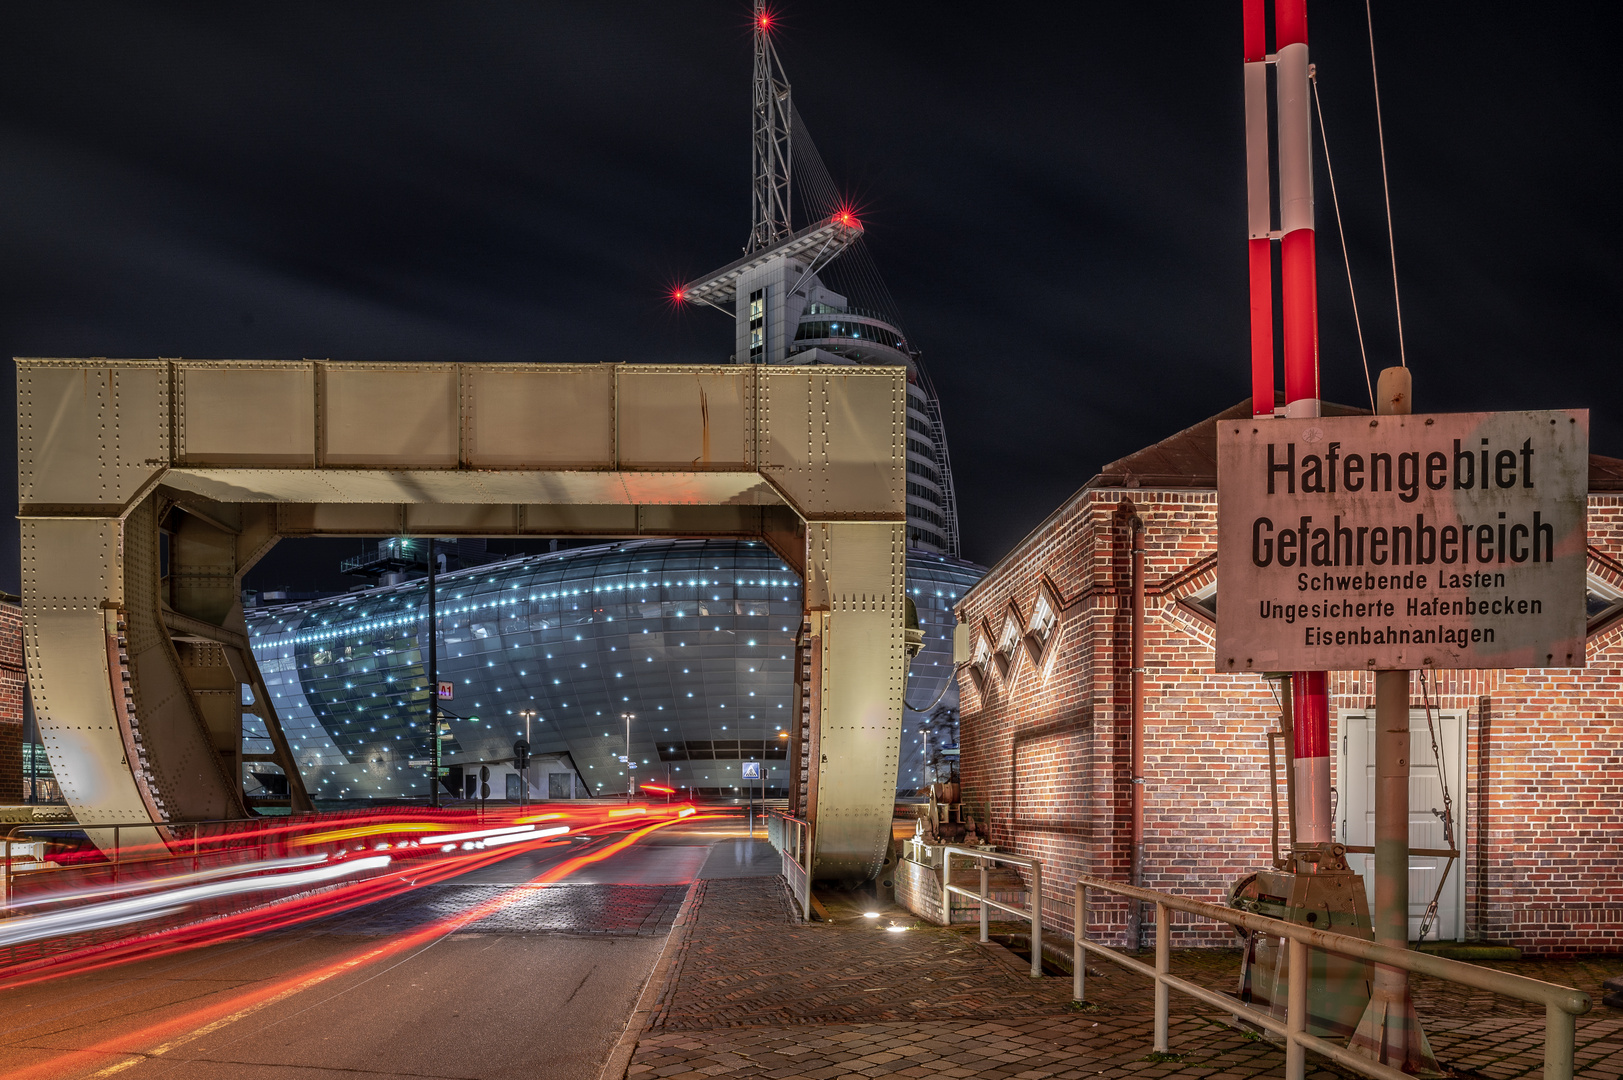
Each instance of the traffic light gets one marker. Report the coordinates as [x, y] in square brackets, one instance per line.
[521, 754]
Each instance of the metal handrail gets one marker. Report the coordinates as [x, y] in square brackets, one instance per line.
[794, 843]
[1033, 913]
[1561, 1003]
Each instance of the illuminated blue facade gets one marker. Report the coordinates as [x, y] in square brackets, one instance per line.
[695, 638]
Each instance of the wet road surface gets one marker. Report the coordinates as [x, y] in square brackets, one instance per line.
[539, 988]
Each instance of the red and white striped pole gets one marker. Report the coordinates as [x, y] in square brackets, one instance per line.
[1296, 263]
[1299, 296]
[1260, 217]
[1300, 303]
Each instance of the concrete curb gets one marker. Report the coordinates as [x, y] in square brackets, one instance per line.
[654, 990]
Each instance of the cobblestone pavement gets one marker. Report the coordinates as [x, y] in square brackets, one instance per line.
[558, 908]
[755, 993]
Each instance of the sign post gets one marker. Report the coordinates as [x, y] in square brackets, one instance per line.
[751, 772]
[1394, 542]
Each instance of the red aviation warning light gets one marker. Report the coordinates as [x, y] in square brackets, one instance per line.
[764, 20]
[678, 295]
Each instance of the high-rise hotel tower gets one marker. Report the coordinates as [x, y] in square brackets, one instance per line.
[783, 311]
[685, 648]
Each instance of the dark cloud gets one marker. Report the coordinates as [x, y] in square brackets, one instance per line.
[1055, 193]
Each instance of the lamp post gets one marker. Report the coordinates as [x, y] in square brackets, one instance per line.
[926, 733]
[433, 688]
[631, 773]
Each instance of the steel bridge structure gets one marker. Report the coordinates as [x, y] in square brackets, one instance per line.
[149, 487]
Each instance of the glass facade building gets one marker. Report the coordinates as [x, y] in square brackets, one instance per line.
[695, 639]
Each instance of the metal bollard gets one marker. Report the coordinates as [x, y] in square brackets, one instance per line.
[946, 879]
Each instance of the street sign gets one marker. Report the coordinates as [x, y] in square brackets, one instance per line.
[1390, 542]
[752, 770]
[446, 690]
[521, 753]
[419, 763]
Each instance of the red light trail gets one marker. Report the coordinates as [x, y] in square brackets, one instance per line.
[159, 1038]
[423, 852]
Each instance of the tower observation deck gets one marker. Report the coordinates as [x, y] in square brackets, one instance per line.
[785, 313]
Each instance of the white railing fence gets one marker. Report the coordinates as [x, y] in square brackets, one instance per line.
[1561, 1003]
[792, 837]
[1032, 913]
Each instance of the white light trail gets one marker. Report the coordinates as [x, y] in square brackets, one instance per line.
[94, 916]
[175, 881]
[557, 830]
[479, 834]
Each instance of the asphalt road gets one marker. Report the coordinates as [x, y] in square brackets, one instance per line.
[541, 989]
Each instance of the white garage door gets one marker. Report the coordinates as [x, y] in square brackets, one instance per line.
[1356, 773]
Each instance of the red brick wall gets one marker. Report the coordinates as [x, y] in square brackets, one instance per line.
[1046, 742]
[13, 683]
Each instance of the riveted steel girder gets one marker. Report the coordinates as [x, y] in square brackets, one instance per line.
[149, 487]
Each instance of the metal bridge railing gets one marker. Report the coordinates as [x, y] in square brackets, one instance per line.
[1032, 914]
[1561, 1003]
[792, 837]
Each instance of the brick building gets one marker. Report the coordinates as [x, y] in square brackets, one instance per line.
[1531, 760]
[13, 689]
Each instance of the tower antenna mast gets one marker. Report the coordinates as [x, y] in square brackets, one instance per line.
[769, 212]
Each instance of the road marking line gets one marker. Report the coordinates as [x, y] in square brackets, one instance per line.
[215, 1025]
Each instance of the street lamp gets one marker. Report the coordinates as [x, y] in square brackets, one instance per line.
[631, 769]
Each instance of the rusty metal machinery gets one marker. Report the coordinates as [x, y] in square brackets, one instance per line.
[1320, 892]
[149, 487]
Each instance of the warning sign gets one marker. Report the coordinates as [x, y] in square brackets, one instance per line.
[1456, 540]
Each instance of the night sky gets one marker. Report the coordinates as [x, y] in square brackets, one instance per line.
[1055, 194]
